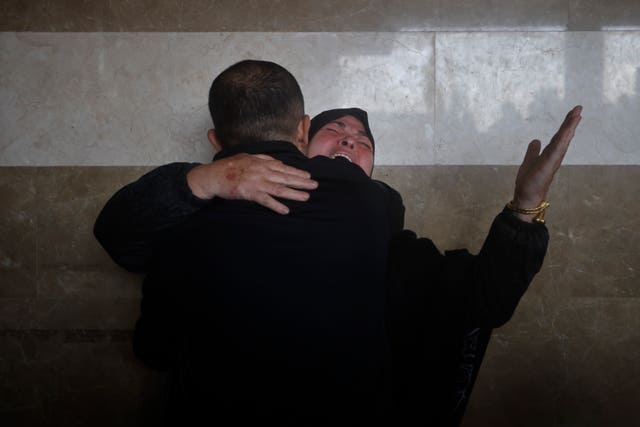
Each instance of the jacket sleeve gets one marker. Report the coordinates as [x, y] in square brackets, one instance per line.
[138, 213]
[481, 290]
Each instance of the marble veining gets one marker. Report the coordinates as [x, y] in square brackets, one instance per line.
[434, 98]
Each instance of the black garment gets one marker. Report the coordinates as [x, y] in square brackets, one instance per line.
[280, 319]
[441, 308]
[138, 214]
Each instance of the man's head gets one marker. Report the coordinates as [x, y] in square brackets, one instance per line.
[343, 132]
[254, 101]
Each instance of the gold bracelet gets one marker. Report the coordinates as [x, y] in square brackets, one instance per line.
[538, 210]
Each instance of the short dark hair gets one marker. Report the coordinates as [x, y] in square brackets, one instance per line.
[255, 101]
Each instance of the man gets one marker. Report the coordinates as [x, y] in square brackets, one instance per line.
[455, 269]
[245, 343]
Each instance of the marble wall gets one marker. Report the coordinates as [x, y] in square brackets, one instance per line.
[93, 94]
[434, 98]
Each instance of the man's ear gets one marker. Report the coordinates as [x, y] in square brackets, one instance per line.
[302, 134]
[213, 139]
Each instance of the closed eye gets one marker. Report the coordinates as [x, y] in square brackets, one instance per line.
[366, 144]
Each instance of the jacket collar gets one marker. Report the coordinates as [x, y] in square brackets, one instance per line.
[262, 147]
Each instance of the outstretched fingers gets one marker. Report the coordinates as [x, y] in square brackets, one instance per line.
[530, 157]
[559, 144]
[538, 169]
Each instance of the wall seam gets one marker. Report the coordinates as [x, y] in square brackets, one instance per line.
[36, 224]
[434, 98]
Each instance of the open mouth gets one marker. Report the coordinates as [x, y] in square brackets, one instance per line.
[344, 156]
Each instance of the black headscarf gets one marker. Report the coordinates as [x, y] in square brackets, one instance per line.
[330, 115]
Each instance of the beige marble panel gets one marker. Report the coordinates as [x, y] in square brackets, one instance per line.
[495, 92]
[439, 200]
[18, 233]
[131, 99]
[517, 382]
[600, 15]
[613, 320]
[568, 356]
[69, 201]
[71, 262]
[594, 250]
[605, 375]
[73, 283]
[601, 232]
[283, 15]
[53, 380]
[69, 313]
[85, 102]
[583, 374]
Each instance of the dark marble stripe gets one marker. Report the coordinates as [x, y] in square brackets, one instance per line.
[70, 335]
[294, 15]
